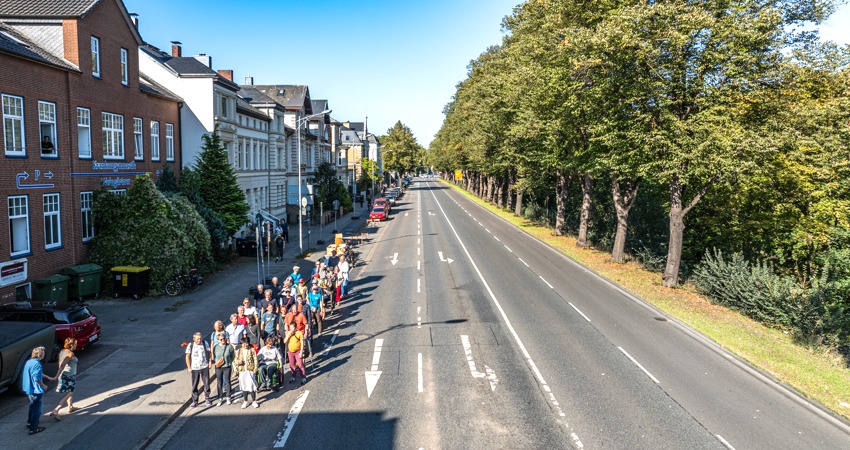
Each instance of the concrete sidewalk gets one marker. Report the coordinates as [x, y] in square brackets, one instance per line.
[139, 382]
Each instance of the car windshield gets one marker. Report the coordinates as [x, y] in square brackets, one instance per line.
[378, 210]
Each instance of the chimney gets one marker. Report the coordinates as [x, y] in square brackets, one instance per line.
[135, 18]
[176, 50]
[204, 59]
[226, 74]
[249, 80]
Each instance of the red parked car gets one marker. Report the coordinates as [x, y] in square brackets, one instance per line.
[70, 320]
[378, 214]
[381, 202]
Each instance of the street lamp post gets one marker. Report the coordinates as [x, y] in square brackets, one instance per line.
[298, 124]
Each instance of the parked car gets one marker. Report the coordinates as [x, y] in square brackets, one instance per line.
[381, 202]
[17, 339]
[391, 197]
[378, 214]
[70, 319]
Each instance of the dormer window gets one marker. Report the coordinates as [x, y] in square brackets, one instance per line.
[95, 56]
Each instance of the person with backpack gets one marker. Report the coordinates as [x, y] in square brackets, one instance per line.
[198, 363]
[223, 355]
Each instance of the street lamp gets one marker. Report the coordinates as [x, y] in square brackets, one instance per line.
[298, 124]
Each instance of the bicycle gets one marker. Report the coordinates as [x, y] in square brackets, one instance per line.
[190, 281]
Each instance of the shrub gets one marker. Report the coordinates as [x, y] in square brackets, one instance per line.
[753, 289]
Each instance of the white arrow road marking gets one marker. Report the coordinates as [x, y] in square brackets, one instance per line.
[395, 258]
[373, 375]
[444, 259]
[419, 383]
[290, 420]
[490, 373]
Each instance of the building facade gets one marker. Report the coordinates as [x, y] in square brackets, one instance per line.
[77, 116]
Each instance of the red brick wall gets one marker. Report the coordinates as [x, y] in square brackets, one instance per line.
[69, 90]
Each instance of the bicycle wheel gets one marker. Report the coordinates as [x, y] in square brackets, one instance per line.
[194, 285]
[173, 287]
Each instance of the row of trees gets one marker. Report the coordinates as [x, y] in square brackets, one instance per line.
[624, 121]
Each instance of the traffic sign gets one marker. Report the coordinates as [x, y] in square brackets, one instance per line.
[336, 204]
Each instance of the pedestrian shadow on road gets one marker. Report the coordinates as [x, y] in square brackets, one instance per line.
[109, 402]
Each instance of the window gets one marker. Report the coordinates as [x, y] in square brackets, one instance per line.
[47, 128]
[139, 150]
[52, 225]
[13, 124]
[113, 136]
[223, 106]
[118, 191]
[125, 76]
[84, 132]
[23, 292]
[19, 225]
[155, 141]
[169, 142]
[95, 56]
[88, 218]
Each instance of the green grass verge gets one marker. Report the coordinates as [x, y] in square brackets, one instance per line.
[819, 375]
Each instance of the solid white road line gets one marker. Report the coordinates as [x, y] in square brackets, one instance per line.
[556, 407]
[290, 419]
[582, 314]
[490, 373]
[638, 364]
[723, 441]
[547, 283]
[526, 264]
[419, 383]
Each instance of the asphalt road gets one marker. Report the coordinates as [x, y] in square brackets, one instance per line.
[463, 332]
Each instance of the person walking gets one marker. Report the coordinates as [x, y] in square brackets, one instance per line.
[295, 351]
[235, 330]
[279, 242]
[295, 276]
[198, 363]
[223, 355]
[252, 330]
[34, 386]
[344, 268]
[218, 327]
[284, 230]
[250, 309]
[246, 367]
[67, 376]
[267, 322]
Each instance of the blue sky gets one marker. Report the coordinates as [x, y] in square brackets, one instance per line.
[389, 60]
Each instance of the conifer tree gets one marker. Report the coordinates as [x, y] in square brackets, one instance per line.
[218, 186]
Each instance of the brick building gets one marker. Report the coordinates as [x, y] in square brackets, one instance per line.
[69, 74]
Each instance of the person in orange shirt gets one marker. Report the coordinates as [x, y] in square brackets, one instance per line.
[294, 316]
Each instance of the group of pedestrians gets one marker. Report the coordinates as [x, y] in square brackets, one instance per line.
[281, 319]
[33, 383]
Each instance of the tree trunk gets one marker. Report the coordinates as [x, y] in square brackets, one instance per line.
[518, 204]
[623, 204]
[510, 187]
[562, 187]
[670, 278]
[586, 202]
[489, 192]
